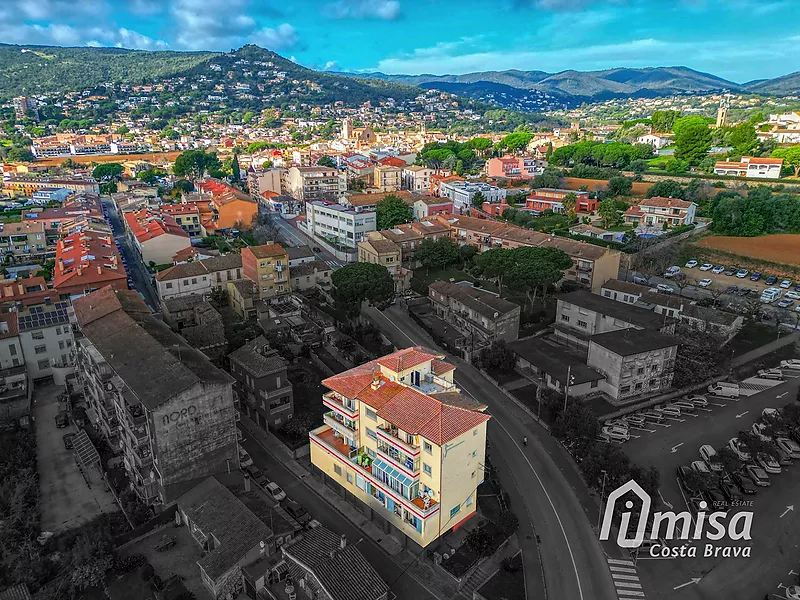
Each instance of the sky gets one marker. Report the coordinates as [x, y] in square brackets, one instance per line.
[740, 40]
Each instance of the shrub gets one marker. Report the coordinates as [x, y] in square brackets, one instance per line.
[148, 572]
[126, 564]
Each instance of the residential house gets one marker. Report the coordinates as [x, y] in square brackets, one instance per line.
[262, 389]
[243, 297]
[15, 397]
[591, 231]
[267, 266]
[156, 236]
[46, 338]
[387, 178]
[198, 276]
[706, 319]
[514, 167]
[429, 206]
[27, 186]
[662, 304]
[309, 275]
[751, 167]
[462, 193]
[656, 141]
[307, 184]
[437, 179]
[495, 210]
[543, 199]
[299, 255]
[581, 315]
[163, 403]
[551, 365]
[623, 291]
[482, 317]
[186, 215]
[658, 211]
[633, 361]
[25, 242]
[228, 532]
[77, 205]
[382, 252]
[27, 291]
[228, 205]
[263, 183]
[338, 224]
[393, 443]
[369, 202]
[86, 262]
[199, 323]
[416, 178]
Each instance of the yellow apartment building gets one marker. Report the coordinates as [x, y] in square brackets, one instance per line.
[268, 267]
[401, 439]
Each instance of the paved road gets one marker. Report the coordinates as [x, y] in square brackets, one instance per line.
[135, 268]
[393, 573]
[572, 559]
[295, 237]
[774, 545]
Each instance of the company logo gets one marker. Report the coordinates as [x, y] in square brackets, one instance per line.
[669, 525]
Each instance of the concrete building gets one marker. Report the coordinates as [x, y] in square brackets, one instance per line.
[461, 193]
[262, 389]
[26, 242]
[308, 276]
[658, 211]
[751, 167]
[544, 199]
[551, 364]
[268, 267]
[394, 444]
[429, 206]
[156, 236]
[227, 206]
[160, 401]
[263, 182]
[656, 141]
[381, 252]
[480, 316]
[581, 315]
[46, 339]
[633, 361]
[387, 178]
[416, 178]
[15, 398]
[86, 262]
[198, 277]
[338, 224]
[307, 184]
[25, 108]
[514, 167]
[299, 255]
[623, 291]
[187, 217]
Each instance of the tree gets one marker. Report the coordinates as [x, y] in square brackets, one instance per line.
[663, 120]
[791, 158]
[665, 189]
[609, 215]
[478, 199]
[219, 297]
[235, 169]
[498, 357]
[107, 171]
[536, 269]
[91, 557]
[108, 187]
[195, 164]
[743, 138]
[467, 253]
[727, 459]
[327, 161]
[550, 178]
[620, 186]
[19, 154]
[183, 185]
[479, 540]
[392, 211]
[569, 202]
[692, 139]
[437, 254]
[495, 264]
[357, 282]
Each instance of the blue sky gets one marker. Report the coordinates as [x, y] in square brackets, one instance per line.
[736, 39]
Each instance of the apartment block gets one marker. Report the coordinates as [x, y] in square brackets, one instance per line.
[339, 224]
[553, 199]
[429, 206]
[46, 339]
[187, 217]
[309, 275]
[263, 183]
[387, 178]
[314, 183]
[85, 262]
[227, 206]
[198, 276]
[27, 186]
[262, 389]
[156, 236]
[26, 242]
[416, 178]
[514, 167]
[751, 167]
[398, 439]
[462, 193]
[380, 252]
[267, 266]
[158, 401]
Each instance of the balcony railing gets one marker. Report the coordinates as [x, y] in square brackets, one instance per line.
[341, 426]
[338, 403]
[390, 435]
[408, 464]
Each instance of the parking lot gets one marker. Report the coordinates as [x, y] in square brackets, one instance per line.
[775, 554]
[66, 498]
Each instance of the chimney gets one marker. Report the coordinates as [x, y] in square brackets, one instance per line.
[246, 482]
[343, 542]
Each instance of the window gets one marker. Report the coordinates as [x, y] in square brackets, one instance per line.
[593, 384]
[349, 477]
[625, 389]
[40, 349]
[371, 433]
[583, 324]
[474, 432]
[38, 335]
[473, 475]
[455, 511]
[337, 469]
[60, 344]
[428, 447]
[278, 381]
[43, 364]
[169, 285]
[565, 318]
[638, 386]
[15, 362]
[371, 413]
[640, 370]
[12, 349]
[58, 330]
[194, 280]
[426, 468]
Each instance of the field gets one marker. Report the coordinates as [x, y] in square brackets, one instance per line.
[780, 248]
[151, 157]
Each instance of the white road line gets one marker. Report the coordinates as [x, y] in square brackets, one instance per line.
[720, 405]
[625, 584]
[643, 429]
[621, 569]
[624, 577]
[708, 409]
[539, 479]
[631, 593]
[617, 561]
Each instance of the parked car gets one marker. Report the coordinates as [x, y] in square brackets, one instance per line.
[786, 284]
[636, 420]
[672, 271]
[771, 280]
[742, 273]
[724, 389]
[793, 592]
[791, 363]
[785, 303]
[705, 282]
[274, 490]
[789, 446]
[768, 463]
[709, 456]
[771, 413]
[738, 449]
[792, 295]
[731, 289]
[691, 264]
[615, 434]
[755, 276]
[685, 406]
[730, 271]
[640, 280]
[697, 399]
[297, 512]
[666, 289]
[716, 500]
[706, 267]
[758, 430]
[257, 475]
[652, 416]
[730, 491]
[782, 457]
[776, 374]
[245, 459]
[758, 475]
[700, 467]
[68, 440]
[617, 423]
[744, 483]
[668, 410]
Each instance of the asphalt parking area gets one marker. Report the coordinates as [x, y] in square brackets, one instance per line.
[775, 530]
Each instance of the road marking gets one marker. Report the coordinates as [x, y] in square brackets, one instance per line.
[626, 584]
[632, 593]
[781, 395]
[793, 573]
[620, 569]
[635, 437]
[788, 508]
[622, 577]
[674, 449]
[688, 414]
[717, 404]
[662, 424]
[667, 504]
[692, 581]
[536, 474]
[617, 561]
[643, 429]
[742, 414]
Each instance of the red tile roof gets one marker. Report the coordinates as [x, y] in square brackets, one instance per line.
[88, 260]
[10, 325]
[661, 202]
[440, 367]
[392, 161]
[405, 359]
[32, 290]
[148, 224]
[181, 208]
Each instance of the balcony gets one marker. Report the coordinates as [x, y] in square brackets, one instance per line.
[585, 267]
[389, 434]
[433, 384]
[332, 441]
[407, 464]
[340, 404]
[340, 425]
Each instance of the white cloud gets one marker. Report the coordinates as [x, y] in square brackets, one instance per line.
[278, 38]
[331, 65]
[387, 10]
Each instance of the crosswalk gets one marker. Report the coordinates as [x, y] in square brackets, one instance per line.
[754, 385]
[626, 580]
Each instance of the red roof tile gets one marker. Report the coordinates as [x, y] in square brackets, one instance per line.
[440, 367]
[406, 359]
[148, 224]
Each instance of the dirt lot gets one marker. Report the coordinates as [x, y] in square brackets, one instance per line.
[779, 248]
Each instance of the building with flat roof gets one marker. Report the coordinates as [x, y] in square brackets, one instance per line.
[338, 224]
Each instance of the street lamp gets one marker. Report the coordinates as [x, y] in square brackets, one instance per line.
[602, 498]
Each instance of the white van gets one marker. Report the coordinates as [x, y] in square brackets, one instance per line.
[771, 294]
[724, 389]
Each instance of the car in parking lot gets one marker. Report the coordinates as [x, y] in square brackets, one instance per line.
[776, 374]
[257, 475]
[663, 287]
[668, 410]
[792, 295]
[768, 463]
[709, 456]
[791, 447]
[274, 490]
[716, 500]
[691, 264]
[297, 512]
[672, 271]
[700, 467]
[68, 440]
[742, 273]
[640, 280]
[791, 363]
[738, 449]
[785, 303]
[615, 434]
[771, 280]
[730, 491]
[782, 457]
[758, 475]
[705, 282]
[744, 483]
[793, 592]
[685, 406]
[706, 267]
[718, 269]
[758, 430]
[755, 276]
[636, 420]
[786, 284]
[652, 416]
[697, 399]
[62, 419]
[617, 423]
[730, 271]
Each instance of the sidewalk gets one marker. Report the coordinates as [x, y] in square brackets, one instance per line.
[416, 566]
